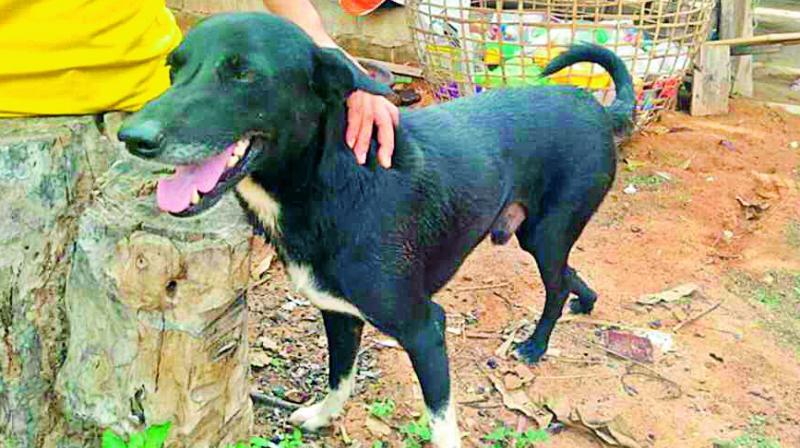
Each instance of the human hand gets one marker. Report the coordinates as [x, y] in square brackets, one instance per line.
[364, 111]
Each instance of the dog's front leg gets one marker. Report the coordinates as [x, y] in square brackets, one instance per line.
[344, 336]
[424, 340]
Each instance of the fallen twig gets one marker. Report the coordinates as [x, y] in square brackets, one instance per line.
[574, 377]
[502, 351]
[640, 364]
[482, 287]
[695, 317]
[481, 335]
[274, 402]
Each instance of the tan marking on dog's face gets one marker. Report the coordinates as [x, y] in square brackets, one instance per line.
[266, 208]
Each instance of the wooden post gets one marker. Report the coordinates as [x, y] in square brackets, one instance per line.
[711, 83]
[737, 22]
[113, 315]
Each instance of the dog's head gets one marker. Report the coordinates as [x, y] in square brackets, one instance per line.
[248, 91]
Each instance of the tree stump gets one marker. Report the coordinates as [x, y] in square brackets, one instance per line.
[119, 316]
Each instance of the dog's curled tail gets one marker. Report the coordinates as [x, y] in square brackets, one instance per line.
[624, 104]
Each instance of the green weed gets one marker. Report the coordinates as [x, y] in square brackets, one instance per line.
[752, 438]
[779, 292]
[152, 437]
[382, 409]
[416, 434]
[641, 181]
[505, 437]
[293, 440]
[793, 233]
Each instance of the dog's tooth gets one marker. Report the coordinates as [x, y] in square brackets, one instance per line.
[241, 147]
[196, 197]
[233, 161]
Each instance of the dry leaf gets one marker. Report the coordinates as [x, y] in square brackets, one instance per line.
[263, 266]
[512, 381]
[670, 295]
[613, 432]
[377, 427]
[259, 359]
[268, 343]
[770, 186]
[516, 400]
[524, 373]
[752, 210]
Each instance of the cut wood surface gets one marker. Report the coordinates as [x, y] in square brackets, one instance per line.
[114, 315]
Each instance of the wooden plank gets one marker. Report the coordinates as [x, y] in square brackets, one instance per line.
[711, 85]
[745, 50]
[774, 12]
[791, 108]
[743, 67]
[766, 39]
[397, 69]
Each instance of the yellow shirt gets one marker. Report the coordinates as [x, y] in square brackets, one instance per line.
[66, 57]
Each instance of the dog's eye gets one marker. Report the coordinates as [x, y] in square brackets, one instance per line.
[239, 70]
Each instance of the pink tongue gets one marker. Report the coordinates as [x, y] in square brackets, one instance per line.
[174, 194]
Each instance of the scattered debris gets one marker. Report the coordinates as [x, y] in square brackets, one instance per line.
[770, 186]
[482, 287]
[268, 344]
[377, 427]
[275, 402]
[795, 85]
[296, 396]
[614, 432]
[263, 265]
[630, 189]
[259, 359]
[727, 144]
[696, 317]
[752, 210]
[628, 344]
[515, 400]
[727, 236]
[679, 292]
[664, 175]
[502, 351]
[794, 145]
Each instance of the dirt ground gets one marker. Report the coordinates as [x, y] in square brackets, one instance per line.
[733, 374]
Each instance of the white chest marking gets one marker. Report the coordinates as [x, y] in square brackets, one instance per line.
[266, 208]
[303, 280]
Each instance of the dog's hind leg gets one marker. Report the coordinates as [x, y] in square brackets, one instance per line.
[584, 303]
[424, 341]
[550, 241]
[344, 337]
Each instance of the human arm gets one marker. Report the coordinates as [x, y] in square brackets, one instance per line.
[364, 110]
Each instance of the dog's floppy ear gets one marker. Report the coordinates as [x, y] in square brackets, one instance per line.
[335, 76]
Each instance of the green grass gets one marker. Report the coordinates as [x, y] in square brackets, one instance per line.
[753, 437]
[152, 437]
[780, 297]
[416, 434]
[505, 437]
[382, 409]
[641, 181]
[793, 233]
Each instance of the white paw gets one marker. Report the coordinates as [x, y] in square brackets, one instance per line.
[445, 429]
[311, 418]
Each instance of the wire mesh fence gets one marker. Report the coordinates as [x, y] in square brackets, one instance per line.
[467, 46]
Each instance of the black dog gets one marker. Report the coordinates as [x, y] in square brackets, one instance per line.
[256, 106]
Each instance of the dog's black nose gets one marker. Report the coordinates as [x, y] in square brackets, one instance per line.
[143, 139]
